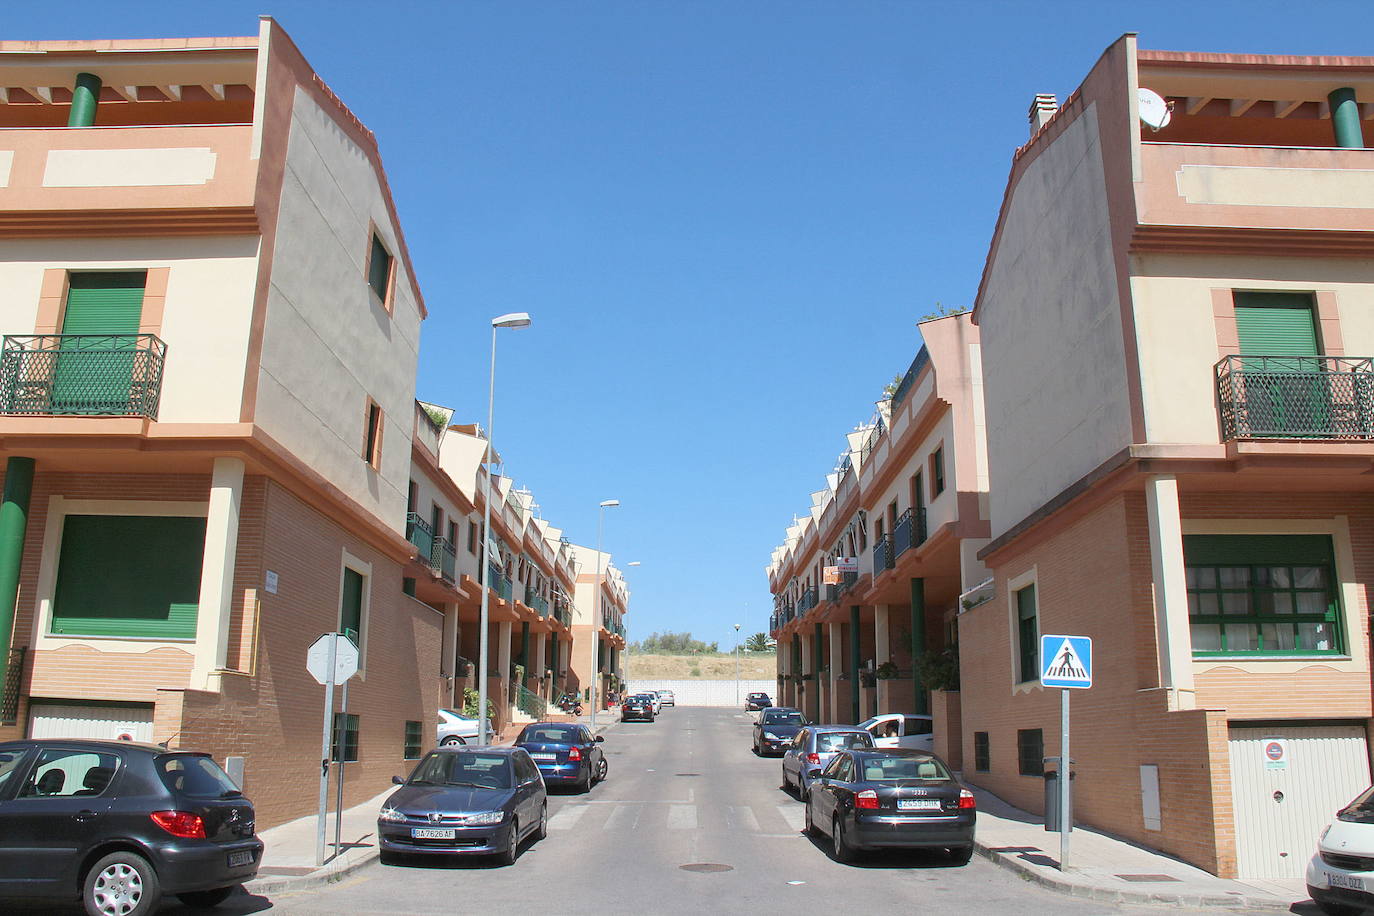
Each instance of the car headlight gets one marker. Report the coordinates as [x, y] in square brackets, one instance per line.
[1325, 831]
[486, 817]
[770, 736]
[391, 815]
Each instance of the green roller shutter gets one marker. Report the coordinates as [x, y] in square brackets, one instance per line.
[1285, 390]
[1276, 324]
[104, 303]
[94, 370]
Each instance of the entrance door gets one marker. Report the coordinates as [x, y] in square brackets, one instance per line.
[95, 361]
[1287, 783]
[1285, 389]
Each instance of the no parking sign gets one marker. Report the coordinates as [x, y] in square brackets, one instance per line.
[1275, 753]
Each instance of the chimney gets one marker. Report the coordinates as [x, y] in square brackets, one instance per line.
[1042, 109]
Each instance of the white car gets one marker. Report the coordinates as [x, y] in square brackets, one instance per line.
[1340, 877]
[901, 729]
[655, 699]
[456, 728]
[666, 698]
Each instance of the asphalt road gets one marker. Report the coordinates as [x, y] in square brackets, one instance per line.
[683, 791]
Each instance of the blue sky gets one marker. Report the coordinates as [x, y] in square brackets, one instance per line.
[725, 218]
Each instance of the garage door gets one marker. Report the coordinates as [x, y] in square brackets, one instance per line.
[1287, 783]
[58, 720]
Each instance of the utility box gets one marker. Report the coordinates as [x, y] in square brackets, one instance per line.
[1053, 815]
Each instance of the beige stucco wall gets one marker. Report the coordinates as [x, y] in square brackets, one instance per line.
[1052, 351]
[205, 321]
[327, 347]
[1176, 331]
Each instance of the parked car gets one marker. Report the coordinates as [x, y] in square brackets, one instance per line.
[565, 753]
[120, 824]
[890, 797]
[465, 801]
[666, 698]
[1340, 876]
[775, 729]
[757, 701]
[899, 729]
[455, 728]
[654, 699]
[637, 707]
[813, 747]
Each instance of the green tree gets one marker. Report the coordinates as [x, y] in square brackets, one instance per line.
[756, 643]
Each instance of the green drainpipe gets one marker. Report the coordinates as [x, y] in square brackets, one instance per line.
[918, 644]
[817, 656]
[14, 517]
[854, 661]
[85, 96]
[1345, 118]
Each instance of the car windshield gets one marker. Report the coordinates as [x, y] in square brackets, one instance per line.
[486, 771]
[549, 734]
[199, 777]
[783, 717]
[1361, 810]
[828, 742]
[892, 769]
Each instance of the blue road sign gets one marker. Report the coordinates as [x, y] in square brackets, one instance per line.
[1066, 661]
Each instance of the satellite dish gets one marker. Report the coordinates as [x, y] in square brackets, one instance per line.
[1154, 111]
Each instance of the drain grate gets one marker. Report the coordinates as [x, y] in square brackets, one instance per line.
[1142, 879]
[706, 867]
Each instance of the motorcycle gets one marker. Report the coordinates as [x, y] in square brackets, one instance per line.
[570, 704]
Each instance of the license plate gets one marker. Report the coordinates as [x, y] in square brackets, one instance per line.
[242, 857]
[544, 756]
[918, 804]
[1347, 881]
[431, 833]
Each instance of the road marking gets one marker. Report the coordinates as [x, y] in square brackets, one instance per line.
[682, 817]
[565, 819]
[795, 817]
[625, 817]
[740, 817]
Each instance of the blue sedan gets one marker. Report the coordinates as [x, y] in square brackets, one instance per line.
[566, 753]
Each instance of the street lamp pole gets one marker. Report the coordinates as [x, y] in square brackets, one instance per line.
[736, 664]
[511, 320]
[596, 604]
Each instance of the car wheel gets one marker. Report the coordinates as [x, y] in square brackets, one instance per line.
[452, 741]
[121, 884]
[206, 899]
[585, 783]
[843, 851]
[786, 783]
[602, 769]
[810, 828]
[543, 830]
[804, 791]
[960, 855]
[511, 852]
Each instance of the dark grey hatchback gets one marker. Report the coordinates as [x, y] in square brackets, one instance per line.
[119, 824]
[465, 800]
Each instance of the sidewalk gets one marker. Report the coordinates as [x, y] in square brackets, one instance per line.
[288, 861]
[1102, 867]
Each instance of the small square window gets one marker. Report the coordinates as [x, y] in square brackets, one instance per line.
[413, 740]
[345, 738]
[981, 761]
[1030, 751]
[380, 268]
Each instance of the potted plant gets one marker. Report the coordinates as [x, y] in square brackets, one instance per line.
[938, 669]
[886, 671]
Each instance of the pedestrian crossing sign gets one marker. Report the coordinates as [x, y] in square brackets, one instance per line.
[1066, 661]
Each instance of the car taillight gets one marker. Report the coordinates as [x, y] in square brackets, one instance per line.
[813, 758]
[183, 824]
[866, 799]
[966, 799]
[574, 754]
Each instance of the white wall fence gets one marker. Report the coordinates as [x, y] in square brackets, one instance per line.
[700, 692]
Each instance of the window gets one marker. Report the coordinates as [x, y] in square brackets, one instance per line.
[132, 576]
[372, 437]
[1027, 636]
[1030, 751]
[412, 497]
[472, 538]
[937, 472]
[380, 268]
[877, 530]
[65, 773]
[351, 606]
[917, 726]
[918, 495]
[892, 515]
[453, 535]
[981, 761]
[1262, 595]
[413, 740]
[345, 738]
[863, 536]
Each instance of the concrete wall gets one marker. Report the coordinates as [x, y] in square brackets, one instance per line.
[327, 345]
[697, 692]
[1052, 348]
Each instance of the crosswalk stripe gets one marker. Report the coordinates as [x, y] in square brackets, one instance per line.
[565, 819]
[682, 817]
[795, 816]
[740, 817]
[624, 817]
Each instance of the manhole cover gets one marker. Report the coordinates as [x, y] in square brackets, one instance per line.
[686, 774]
[706, 867]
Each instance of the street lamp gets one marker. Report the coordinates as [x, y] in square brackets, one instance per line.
[596, 604]
[511, 320]
[736, 664]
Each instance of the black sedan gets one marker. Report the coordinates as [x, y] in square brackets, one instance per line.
[120, 824]
[776, 728]
[566, 754]
[637, 707]
[890, 797]
[465, 800]
[757, 701]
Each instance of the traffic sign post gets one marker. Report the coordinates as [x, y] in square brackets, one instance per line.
[333, 658]
[1066, 662]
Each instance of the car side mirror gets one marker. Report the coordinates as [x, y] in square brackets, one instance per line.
[600, 738]
[397, 781]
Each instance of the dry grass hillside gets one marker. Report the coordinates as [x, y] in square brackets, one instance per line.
[755, 666]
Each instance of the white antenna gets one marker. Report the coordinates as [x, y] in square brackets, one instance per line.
[1155, 113]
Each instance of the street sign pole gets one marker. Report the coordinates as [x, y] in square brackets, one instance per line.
[324, 750]
[343, 756]
[1066, 662]
[1065, 777]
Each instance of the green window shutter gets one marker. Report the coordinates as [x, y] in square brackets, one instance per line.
[1276, 324]
[129, 576]
[1028, 636]
[351, 606]
[104, 303]
[1258, 550]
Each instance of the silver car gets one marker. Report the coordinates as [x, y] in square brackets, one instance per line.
[813, 747]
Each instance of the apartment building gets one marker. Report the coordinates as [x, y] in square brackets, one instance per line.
[1175, 318]
[907, 503]
[600, 602]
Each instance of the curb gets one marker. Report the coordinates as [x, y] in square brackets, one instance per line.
[1112, 895]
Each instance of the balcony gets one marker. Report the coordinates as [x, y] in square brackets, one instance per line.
[498, 582]
[536, 601]
[100, 375]
[883, 554]
[847, 580]
[808, 600]
[904, 387]
[909, 532]
[443, 559]
[420, 534]
[1296, 397]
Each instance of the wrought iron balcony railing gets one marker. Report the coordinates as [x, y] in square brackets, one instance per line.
[101, 375]
[9, 690]
[1296, 397]
[808, 600]
[882, 554]
[421, 535]
[498, 582]
[537, 601]
[909, 532]
[443, 559]
[904, 387]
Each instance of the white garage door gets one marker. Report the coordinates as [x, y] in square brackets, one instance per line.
[55, 720]
[1287, 783]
